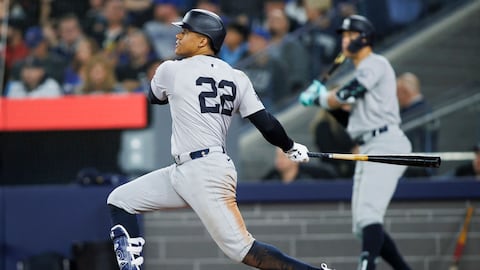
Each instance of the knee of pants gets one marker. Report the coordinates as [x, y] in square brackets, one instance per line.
[236, 251]
[117, 199]
[361, 223]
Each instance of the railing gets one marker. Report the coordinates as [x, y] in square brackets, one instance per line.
[451, 102]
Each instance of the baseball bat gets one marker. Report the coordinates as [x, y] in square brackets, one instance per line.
[407, 160]
[461, 239]
[336, 63]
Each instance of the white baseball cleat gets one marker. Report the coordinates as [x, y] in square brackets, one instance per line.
[127, 250]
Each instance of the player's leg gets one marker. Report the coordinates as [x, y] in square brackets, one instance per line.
[209, 186]
[376, 184]
[391, 255]
[389, 251]
[150, 192]
[265, 256]
[375, 187]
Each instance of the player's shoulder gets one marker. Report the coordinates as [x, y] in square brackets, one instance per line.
[379, 59]
[168, 66]
[375, 62]
[240, 74]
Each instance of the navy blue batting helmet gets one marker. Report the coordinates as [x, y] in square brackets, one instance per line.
[357, 23]
[206, 23]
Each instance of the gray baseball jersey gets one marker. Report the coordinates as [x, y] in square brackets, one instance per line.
[379, 107]
[203, 93]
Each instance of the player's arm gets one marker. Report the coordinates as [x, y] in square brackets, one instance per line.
[154, 100]
[271, 129]
[317, 94]
[274, 133]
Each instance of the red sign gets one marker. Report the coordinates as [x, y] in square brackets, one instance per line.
[109, 111]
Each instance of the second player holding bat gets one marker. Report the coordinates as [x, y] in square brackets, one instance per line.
[374, 125]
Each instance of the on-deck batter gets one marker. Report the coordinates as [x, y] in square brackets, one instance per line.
[203, 93]
[374, 125]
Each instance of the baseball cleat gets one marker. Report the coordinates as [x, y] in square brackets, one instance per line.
[127, 250]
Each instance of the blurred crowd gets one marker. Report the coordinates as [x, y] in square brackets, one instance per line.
[58, 47]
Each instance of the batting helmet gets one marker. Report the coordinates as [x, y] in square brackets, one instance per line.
[359, 24]
[206, 23]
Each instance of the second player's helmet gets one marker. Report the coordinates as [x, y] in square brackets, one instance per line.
[206, 23]
[359, 24]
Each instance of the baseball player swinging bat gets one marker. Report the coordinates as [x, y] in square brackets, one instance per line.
[407, 160]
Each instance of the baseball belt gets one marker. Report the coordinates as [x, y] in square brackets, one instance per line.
[184, 157]
[367, 136]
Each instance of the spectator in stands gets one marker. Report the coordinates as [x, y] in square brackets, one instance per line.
[133, 72]
[115, 29]
[296, 11]
[267, 74]
[331, 137]
[345, 9]
[39, 48]
[94, 22]
[15, 49]
[138, 12]
[252, 9]
[272, 5]
[70, 34]
[288, 49]
[412, 106]
[53, 9]
[320, 39]
[100, 77]
[20, 10]
[288, 171]
[34, 82]
[75, 72]
[160, 30]
[471, 168]
[213, 6]
[235, 46]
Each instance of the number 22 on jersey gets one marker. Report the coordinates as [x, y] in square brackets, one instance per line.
[228, 91]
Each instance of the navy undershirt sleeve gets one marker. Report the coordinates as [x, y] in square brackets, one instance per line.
[271, 129]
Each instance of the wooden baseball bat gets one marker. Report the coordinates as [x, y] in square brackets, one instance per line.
[461, 239]
[407, 160]
[336, 63]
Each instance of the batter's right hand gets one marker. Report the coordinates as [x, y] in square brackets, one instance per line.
[298, 153]
[310, 96]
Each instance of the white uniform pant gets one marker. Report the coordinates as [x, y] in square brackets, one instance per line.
[374, 183]
[207, 185]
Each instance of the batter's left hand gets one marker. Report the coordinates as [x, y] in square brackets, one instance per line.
[312, 93]
[298, 153]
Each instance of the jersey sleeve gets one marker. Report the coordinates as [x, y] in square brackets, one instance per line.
[161, 79]
[249, 101]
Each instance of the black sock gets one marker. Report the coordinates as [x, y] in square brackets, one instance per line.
[127, 220]
[390, 254]
[372, 241]
[267, 257]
